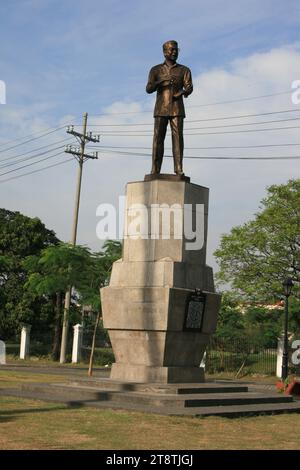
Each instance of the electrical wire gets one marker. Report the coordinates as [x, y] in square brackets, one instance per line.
[6, 165]
[221, 118]
[199, 148]
[106, 134]
[28, 135]
[147, 124]
[203, 105]
[217, 127]
[36, 171]
[34, 150]
[289, 157]
[31, 140]
[30, 164]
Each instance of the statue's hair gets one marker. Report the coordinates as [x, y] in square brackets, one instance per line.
[169, 42]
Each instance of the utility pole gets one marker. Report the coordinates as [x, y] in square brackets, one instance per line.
[81, 157]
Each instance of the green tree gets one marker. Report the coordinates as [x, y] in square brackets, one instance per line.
[256, 257]
[263, 325]
[50, 275]
[231, 324]
[112, 251]
[20, 236]
[294, 315]
[58, 267]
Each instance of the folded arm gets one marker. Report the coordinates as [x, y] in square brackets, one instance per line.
[154, 82]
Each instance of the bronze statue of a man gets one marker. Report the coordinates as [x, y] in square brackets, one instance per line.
[171, 81]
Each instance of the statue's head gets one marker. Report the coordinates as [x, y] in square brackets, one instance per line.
[170, 50]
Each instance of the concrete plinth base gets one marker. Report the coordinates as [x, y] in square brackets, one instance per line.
[158, 329]
[147, 374]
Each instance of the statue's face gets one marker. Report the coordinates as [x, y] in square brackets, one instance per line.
[171, 52]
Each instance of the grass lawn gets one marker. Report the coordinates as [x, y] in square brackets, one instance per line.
[32, 424]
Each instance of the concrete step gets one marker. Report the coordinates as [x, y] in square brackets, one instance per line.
[71, 393]
[209, 387]
[233, 411]
[201, 400]
[246, 410]
[250, 409]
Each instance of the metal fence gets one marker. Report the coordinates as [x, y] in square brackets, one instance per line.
[239, 357]
[103, 354]
[233, 356]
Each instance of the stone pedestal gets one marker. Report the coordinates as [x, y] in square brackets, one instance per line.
[146, 305]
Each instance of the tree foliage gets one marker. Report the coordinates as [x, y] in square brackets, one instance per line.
[230, 324]
[59, 267]
[244, 324]
[20, 236]
[256, 257]
[64, 265]
[99, 273]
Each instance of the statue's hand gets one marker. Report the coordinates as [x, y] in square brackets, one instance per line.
[164, 81]
[178, 94]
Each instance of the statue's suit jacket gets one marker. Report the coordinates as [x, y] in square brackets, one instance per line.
[166, 104]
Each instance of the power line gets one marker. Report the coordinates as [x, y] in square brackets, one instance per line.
[31, 140]
[6, 165]
[33, 150]
[36, 171]
[28, 135]
[215, 127]
[246, 115]
[146, 124]
[30, 164]
[242, 99]
[245, 124]
[149, 124]
[221, 118]
[202, 105]
[248, 130]
[201, 148]
[289, 157]
[106, 134]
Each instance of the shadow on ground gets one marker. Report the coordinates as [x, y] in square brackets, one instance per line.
[10, 415]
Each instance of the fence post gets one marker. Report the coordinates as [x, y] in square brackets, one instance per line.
[279, 356]
[25, 341]
[77, 343]
[2, 353]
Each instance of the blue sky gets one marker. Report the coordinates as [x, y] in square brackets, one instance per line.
[78, 54]
[61, 58]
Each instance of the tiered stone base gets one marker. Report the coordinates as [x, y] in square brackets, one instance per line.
[145, 305]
